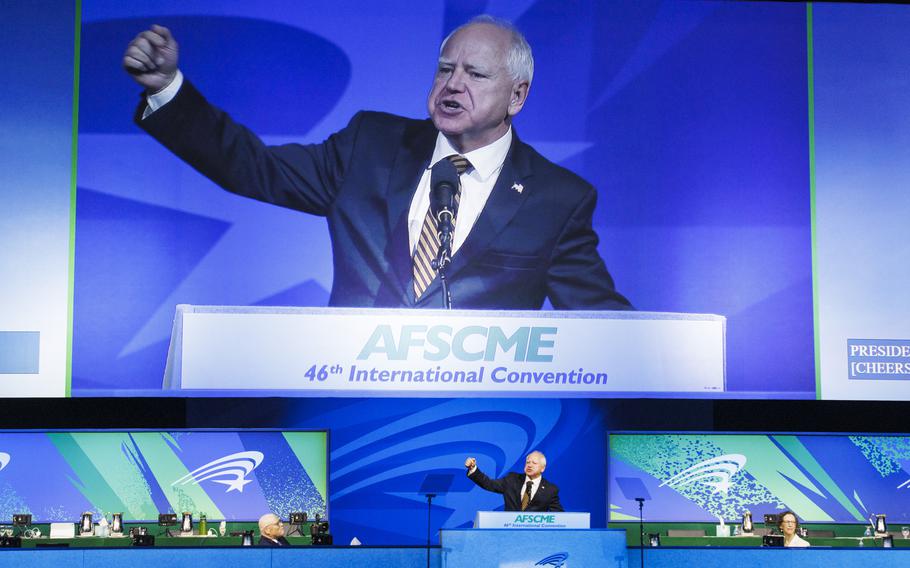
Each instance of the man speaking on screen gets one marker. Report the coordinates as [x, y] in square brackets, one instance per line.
[528, 492]
[511, 229]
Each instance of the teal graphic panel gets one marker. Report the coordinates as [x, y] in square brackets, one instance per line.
[57, 476]
[709, 477]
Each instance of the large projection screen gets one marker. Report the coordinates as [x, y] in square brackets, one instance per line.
[749, 158]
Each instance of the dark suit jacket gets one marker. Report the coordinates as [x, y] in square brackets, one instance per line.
[526, 245]
[263, 541]
[513, 485]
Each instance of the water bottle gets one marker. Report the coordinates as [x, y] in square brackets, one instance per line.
[203, 526]
[868, 532]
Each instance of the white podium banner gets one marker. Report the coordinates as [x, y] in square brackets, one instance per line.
[360, 352]
[531, 520]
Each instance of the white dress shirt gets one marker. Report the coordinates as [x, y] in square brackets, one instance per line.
[159, 99]
[476, 186]
[535, 485]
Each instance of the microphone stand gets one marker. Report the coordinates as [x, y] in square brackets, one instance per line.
[641, 529]
[429, 510]
[443, 258]
[446, 294]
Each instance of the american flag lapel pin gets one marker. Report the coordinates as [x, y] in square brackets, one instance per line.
[518, 187]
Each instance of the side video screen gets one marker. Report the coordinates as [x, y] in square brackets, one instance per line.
[230, 475]
[707, 477]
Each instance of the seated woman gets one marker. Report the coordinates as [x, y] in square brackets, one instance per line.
[789, 525]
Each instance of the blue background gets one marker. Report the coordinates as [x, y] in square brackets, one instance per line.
[863, 171]
[36, 142]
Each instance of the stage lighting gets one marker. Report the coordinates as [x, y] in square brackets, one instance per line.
[117, 523]
[296, 521]
[319, 532]
[747, 522]
[167, 520]
[142, 538]
[22, 520]
[186, 525]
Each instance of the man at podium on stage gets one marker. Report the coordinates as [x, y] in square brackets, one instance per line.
[528, 492]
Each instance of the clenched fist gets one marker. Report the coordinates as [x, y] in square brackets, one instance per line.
[151, 58]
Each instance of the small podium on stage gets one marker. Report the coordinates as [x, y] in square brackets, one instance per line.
[531, 520]
[495, 548]
[516, 538]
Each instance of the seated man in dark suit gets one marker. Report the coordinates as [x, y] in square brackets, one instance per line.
[523, 229]
[528, 492]
[271, 530]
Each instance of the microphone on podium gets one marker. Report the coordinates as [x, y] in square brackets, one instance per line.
[444, 185]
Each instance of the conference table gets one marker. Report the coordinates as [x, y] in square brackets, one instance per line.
[841, 535]
[756, 541]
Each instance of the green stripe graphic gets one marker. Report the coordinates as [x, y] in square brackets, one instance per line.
[810, 60]
[74, 154]
[311, 450]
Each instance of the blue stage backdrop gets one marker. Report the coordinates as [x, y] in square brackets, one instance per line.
[689, 117]
[709, 477]
[382, 450]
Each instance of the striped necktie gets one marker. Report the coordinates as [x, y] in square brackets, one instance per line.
[526, 498]
[428, 243]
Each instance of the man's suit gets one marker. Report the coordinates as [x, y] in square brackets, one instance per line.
[533, 240]
[265, 541]
[513, 484]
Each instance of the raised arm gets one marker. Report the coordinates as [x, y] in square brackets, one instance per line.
[481, 479]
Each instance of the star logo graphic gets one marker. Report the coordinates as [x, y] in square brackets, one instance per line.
[231, 470]
[234, 484]
[715, 472]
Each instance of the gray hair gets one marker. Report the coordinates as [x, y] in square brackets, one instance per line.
[267, 520]
[520, 62]
[542, 458]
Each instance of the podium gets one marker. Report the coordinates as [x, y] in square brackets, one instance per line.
[500, 548]
[271, 351]
[531, 520]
